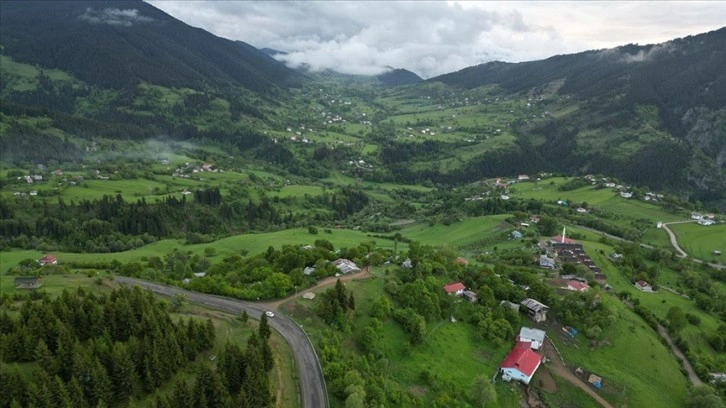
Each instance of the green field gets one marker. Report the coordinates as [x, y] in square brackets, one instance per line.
[468, 231]
[700, 241]
[637, 369]
[253, 243]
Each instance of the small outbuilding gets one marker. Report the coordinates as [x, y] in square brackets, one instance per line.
[536, 310]
[534, 337]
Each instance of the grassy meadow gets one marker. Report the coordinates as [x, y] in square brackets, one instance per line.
[700, 241]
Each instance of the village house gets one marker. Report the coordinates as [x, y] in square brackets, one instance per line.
[516, 235]
[643, 286]
[346, 266]
[577, 286]
[454, 288]
[536, 310]
[534, 337]
[28, 282]
[48, 260]
[509, 305]
[520, 364]
[546, 262]
[308, 270]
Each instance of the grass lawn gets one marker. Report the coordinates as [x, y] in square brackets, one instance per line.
[458, 234]
[700, 241]
[637, 369]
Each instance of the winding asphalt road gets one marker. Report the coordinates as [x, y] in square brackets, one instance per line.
[312, 382]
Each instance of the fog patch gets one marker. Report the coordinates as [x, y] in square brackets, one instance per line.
[114, 17]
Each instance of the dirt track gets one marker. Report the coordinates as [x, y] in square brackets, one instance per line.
[563, 372]
[363, 274]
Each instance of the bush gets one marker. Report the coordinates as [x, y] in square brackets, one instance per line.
[693, 319]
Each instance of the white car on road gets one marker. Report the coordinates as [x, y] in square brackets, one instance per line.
[269, 314]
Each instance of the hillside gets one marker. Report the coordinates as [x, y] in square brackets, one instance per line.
[112, 44]
[667, 100]
[397, 77]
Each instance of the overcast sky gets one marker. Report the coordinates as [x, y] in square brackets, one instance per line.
[437, 37]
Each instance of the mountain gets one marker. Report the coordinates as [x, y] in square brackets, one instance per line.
[665, 102]
[112, 44]
[398, 77]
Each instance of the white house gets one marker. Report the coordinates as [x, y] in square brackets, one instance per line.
[643, 286]
[534, 337]
[346, 266]
[520, 364]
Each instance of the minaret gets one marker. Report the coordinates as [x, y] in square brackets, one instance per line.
[563, 234]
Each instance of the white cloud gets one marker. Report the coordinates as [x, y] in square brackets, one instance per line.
[432, 38]
[114, 16]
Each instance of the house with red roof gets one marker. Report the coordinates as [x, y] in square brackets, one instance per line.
[520, 364]
[577, 286]
[454, 288]
[48, 260]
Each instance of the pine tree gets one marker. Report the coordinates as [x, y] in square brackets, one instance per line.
[75, 393]
[123, 372]
[61, 398]
[182, 396]
[264, 328]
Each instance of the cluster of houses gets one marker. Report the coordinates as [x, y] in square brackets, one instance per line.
[703, 219]
[565, 250]
[188, 169]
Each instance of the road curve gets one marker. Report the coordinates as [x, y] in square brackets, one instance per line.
[312, 382]
[674, 241]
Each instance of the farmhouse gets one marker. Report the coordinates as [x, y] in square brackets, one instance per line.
[515, 235]
[345, 266]
[520, 364]
[534, 337]
[48, 260]
[643, 286]
[308, 270]
[28, 282]
[546, 262]
[577, 286]
[706, 221]
[455, 288]
[536, 310]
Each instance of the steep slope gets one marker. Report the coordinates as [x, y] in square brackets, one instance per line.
[674, 92]
[116, 43]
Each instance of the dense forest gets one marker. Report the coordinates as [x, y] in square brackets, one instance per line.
[82, 349]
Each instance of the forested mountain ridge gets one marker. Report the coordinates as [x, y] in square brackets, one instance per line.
[112, 44]
[675, 91]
